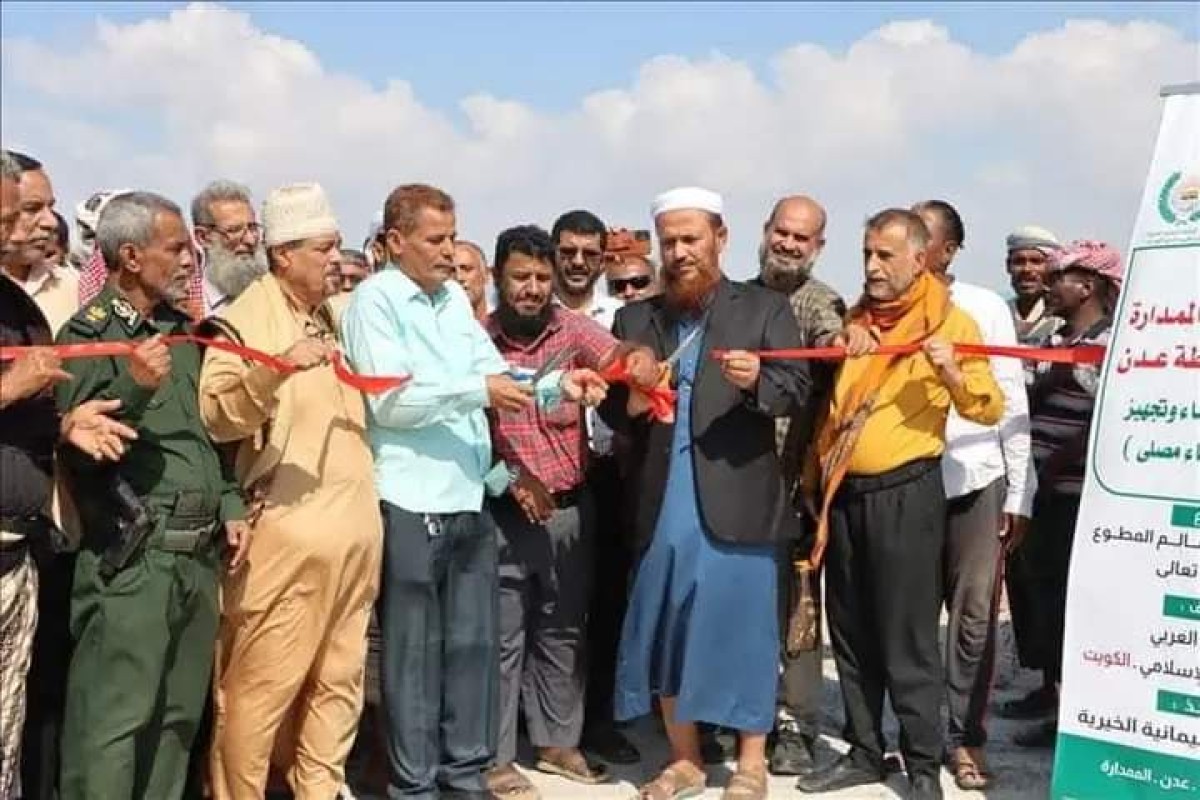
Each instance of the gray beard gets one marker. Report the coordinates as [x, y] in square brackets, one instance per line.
[230, 274]
[780, 273]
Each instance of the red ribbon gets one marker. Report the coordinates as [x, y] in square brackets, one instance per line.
[1084, 354]
[661, 397]
[368, 384]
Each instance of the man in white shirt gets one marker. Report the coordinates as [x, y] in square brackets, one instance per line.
[580, 240]
[990, 486]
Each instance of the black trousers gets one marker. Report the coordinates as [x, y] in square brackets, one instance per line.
[46, 687]
[1046, 554]
[438, 605]
[612, 564]
[884, 596]
[800, 681]
[1019, 574]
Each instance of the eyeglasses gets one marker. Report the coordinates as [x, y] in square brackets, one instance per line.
[586, 253]
[638, 282]
[1027, 261]
[238, 232]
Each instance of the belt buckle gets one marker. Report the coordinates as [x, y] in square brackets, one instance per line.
[187, 540]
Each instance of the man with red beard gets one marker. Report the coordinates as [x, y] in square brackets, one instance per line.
[546, 524]
[701, 633]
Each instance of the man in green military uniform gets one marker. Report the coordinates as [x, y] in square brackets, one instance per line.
[144, 607]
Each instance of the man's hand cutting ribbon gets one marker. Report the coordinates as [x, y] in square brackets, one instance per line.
[649, 382]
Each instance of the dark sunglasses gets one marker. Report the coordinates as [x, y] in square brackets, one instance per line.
[638, 282]
[571, 253]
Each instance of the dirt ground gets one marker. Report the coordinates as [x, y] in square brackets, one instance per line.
[1018, 774]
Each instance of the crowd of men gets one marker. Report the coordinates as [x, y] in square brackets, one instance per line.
[225, 564]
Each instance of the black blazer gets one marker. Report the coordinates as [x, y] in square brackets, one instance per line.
[740, 491]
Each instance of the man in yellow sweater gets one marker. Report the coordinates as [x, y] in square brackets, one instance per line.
[882, 509]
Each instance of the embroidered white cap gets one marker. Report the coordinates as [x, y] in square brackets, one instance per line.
[691, 198]
[297, 212]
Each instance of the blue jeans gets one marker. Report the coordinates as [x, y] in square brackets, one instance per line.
[440, 664]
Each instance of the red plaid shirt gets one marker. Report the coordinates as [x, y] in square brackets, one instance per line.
[550, 444]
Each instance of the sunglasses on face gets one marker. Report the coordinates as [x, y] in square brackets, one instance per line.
[571, 253]
[619, 285]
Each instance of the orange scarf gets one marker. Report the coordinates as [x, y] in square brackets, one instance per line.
[911, 317]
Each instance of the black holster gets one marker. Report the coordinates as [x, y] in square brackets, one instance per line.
[134, 522]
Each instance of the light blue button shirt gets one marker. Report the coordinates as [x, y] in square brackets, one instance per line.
[430, 439]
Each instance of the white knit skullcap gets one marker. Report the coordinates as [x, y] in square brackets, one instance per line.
[297, 212]
[691, 198]
[87, 213]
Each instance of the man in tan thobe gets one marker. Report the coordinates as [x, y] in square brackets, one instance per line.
[294, 619]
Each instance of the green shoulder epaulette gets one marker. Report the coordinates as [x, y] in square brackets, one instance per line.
[91, 320]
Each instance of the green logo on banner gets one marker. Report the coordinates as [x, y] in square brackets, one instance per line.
[1179, 199]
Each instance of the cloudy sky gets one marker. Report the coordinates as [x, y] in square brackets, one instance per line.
[1016, 113]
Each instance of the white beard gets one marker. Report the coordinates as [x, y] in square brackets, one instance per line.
[230, 274]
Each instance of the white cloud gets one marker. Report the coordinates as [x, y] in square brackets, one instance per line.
[1057, 131]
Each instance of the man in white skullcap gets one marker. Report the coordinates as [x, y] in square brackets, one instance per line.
[294, 624]
[1029, 250]
[701, 630]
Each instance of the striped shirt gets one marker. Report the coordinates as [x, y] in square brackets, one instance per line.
[1061, 401]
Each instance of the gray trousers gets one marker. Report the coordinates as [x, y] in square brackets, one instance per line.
[971, 558]
[544, 593]
[800, 681]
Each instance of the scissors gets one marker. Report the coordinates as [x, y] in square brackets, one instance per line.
[678, 352]
[672, 360]
[554, 362]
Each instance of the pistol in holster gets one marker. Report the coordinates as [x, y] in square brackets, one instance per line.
[135, 521]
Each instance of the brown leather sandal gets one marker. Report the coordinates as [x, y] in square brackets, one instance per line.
[572, 765]
[679, 781]
[746, 786]
[970, 770]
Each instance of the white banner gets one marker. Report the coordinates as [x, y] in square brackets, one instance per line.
[1129, 720]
